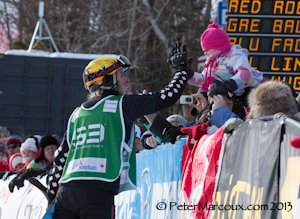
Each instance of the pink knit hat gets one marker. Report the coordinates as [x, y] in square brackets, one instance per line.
[215, 38]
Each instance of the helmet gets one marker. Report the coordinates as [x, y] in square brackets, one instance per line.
[102, 72]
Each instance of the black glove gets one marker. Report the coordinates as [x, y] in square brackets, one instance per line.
[170, 133]
[2, 174]
[26, 174]
[7, 174]
[229, 85]
[179, 61]
[14, 182]
[158, 125]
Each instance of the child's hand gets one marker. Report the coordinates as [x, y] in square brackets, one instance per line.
[201, 102]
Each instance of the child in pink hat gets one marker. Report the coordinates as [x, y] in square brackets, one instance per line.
[227, 66]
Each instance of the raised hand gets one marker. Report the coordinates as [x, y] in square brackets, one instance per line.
[179, 61]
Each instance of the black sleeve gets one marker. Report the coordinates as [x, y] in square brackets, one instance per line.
[136, 106]
[56, 171]
[171, 93]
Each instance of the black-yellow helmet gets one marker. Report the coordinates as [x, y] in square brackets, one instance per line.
[101, 73]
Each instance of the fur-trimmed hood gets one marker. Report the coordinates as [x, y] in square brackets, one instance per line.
[269, 98]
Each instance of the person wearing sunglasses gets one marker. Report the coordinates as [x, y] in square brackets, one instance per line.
[13, 145]
[96, 159]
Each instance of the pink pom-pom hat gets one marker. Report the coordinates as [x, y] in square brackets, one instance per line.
[215, 37]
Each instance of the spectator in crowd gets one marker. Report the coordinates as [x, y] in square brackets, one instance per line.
[37, 164]
[227, 66]
[13, 144]
[3, 152]
[138, 135]
[271, 98]
[4, 134]
[9, 130]
[15, 162]
[206, 105]
[48, 145]
[108, 108]
[29, 150]
[177, 120]
[201, 107]
[267, 99]
[58, 138]
[38, 138]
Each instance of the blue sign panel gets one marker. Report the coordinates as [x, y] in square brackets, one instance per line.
[223, 11]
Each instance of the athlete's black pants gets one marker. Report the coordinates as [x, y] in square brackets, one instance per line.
[83, 203]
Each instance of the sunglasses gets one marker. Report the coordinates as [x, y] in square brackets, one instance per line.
[13, 146]
[122, 62]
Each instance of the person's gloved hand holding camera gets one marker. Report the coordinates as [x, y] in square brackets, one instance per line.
[179, 61]
[219, 87]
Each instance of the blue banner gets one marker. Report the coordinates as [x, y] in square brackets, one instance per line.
[158, 184]
[223, 11]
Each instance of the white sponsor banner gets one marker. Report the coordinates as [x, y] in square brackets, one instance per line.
[26, 203]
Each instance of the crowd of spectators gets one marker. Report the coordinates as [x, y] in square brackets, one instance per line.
[26, 156]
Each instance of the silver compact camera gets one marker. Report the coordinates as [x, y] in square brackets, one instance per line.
[186, 99]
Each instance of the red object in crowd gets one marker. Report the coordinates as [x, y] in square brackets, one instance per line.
[195, 133]
[199, 173]
[296, 142]
[11, 159]
[28, 162]
[4, 165]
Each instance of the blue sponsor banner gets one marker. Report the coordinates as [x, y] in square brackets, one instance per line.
[158, 184]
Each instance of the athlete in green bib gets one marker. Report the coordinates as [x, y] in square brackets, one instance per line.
[96, 159]
[90, 154]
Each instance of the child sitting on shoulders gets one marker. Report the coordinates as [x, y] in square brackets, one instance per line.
[227, 66]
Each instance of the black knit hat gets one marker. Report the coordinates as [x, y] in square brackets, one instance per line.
[45, 141]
